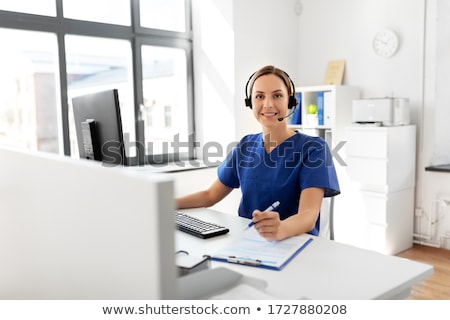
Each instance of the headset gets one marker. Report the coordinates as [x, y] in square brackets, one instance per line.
[292, 100]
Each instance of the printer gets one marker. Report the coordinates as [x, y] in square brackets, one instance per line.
[381, 111]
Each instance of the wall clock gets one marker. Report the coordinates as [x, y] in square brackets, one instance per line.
[385, 43]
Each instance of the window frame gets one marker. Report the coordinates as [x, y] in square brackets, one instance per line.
[138, 37]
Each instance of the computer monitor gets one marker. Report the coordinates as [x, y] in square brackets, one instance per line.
[98, 126]
[72, 229]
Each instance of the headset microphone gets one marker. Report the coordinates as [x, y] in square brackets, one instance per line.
[290, 113]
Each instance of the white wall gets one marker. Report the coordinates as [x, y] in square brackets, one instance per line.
[266, 32]
[441, 138]
[301, 36]
[433, 186]
[232, 39]
[214, 73]
[419, 71]
[344, 29]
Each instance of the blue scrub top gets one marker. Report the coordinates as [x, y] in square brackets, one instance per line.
[299, 162]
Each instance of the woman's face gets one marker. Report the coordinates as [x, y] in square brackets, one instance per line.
[269, 99]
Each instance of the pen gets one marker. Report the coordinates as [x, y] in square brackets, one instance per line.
[270, 208]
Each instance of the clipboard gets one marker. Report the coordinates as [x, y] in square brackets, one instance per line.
[253, 250]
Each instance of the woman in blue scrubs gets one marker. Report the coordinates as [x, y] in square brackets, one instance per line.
[278, 164]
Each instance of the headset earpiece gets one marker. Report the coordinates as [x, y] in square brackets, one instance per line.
[248, 98]
[292, 101]
[248, 102]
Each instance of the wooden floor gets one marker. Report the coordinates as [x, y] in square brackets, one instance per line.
[437, 286]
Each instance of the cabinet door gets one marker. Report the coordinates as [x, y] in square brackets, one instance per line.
[367, 143]
[389, 220]
[381, 158]
[376, 204]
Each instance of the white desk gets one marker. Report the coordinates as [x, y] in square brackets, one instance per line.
[323, 270]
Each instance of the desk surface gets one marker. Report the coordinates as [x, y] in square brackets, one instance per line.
[324, 270]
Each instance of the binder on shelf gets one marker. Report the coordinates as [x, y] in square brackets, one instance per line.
[320, 108]
[296, 117]
[253, 250]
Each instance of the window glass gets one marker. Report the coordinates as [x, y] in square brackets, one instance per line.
[29, 84]
[106, 11]
[165, 109]
[33, 105]
[41, 7]
[98, 64]
[163, 14]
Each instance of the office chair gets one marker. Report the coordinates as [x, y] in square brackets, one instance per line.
[327, 218]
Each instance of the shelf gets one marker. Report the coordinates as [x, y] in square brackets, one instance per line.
[319, 88]
[334, 110]
[300, 126]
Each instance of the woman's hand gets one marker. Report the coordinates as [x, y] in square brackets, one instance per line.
[268, 224]
[270, 227]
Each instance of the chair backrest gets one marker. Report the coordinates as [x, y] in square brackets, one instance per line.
[326, 218]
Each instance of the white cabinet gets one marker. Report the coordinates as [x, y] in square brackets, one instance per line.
[381, 163]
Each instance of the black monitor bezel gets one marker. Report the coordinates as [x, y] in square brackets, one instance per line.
[104, 108]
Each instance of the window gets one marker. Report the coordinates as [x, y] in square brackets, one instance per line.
[95, 64]
[58, 50]
[29, 78]
[163, 14]
[42, 7]
[165, 97]
[106, 11]
[168, 117]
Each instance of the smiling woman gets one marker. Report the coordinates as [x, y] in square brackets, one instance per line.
[278, 164]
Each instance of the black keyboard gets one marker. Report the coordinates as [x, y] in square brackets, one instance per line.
[197, 227]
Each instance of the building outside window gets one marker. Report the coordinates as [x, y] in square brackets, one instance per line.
[54, 50]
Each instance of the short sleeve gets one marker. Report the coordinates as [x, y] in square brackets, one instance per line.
[318, 168]
[227, 171]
